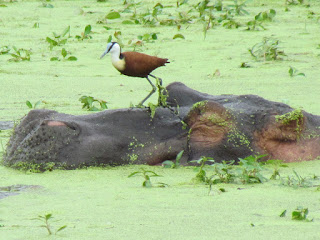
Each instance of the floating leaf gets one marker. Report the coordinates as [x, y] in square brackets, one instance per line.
[167, 164]
[64, 52]
[178, 36]
[65, 31]
[127, 22]
[283, 214]
[72, 58]
[37, 103]
[61, 228]
[28, 103]
[54, 59]
[154, 36]
[87, 30]
[113, 15]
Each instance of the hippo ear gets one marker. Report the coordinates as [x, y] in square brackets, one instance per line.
[209, 122]
[55, 123]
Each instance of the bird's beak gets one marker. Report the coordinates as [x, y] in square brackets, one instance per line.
[104, 53]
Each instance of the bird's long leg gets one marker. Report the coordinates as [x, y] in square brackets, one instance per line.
[162, 99]
[160, 80]
[152, 92]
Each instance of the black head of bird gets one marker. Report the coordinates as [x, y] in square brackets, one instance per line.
[135, 64]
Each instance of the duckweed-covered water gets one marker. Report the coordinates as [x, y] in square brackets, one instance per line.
[104, 203]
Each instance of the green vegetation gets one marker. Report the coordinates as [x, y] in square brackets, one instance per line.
[88, 103]
[171, 164]
[300, 214]
[58, 39]
[297, 181]
[276, 165]
[20, 54]
[65, 57]
[293, 72]
[267, 50]
[294, 116]
[109, 199]
[46, 219]
[35, 105]
[86, 34]
[147, 174]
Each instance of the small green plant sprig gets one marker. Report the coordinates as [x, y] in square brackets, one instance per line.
[35, 105]
[266, 16]
[223, 172]
[201, 175]
[147, 174]
[250, 170]
[65, 57]
[58, 39]
[4, 50]
[297, 181]
[275, 164]
[171, 164]
[45, 219]
[267, 50]
[293, 72]
[88, 103]
[162, 98]
[20, 54]
[294, 2]
[86, 34]
[238, 8]
[300, 214]
[148, 37]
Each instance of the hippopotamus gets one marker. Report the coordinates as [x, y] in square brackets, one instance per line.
[224, 127]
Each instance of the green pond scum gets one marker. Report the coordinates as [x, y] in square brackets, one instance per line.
[199, 37]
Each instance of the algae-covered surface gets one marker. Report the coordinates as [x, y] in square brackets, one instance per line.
[104, 203]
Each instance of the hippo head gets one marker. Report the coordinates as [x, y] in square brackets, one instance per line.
[111, 137]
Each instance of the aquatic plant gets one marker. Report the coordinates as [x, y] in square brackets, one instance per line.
[4, 50]
[148, 37]
[223, 172]
[261, 17]
[58, 39]
[35, 105]
[64, 54]
[147, 174]
[297, 180]
[293, 72]
[86, 34]
[250, 170]
[300, 214]
[275, 164]
[171, 164]
[238, 8]
[88, 103]
[20, 54]
[201, 175]
[46, 218]
[294, 2]
[266, 50]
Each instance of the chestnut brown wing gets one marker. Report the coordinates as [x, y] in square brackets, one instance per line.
[140, 65]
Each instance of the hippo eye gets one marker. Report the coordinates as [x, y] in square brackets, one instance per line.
[71, 126]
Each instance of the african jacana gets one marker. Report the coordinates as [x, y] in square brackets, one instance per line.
[135, 64]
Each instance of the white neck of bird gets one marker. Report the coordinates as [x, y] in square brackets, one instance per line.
[118, 63]
[115, 53]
